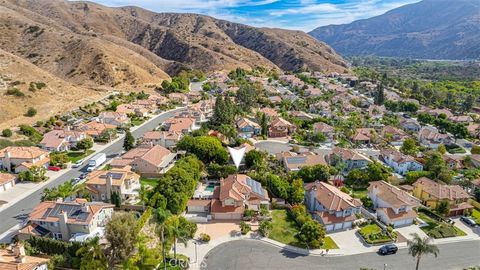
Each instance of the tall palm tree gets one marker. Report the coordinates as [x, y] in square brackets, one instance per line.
[417, 247]
[177, 232]
[163, 228]
[92, 256]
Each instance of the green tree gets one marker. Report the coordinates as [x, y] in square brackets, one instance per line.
[85, 144]
[475, 150]
[33, 174]
[207, 148]
[443, 208]
[92, 257]
[377, 171]
[59, 159]
[379, 97]
[296, 192]
[265, 227]
[176, 232]
[7, 133]
[129, 141]
[246, 97]
[442, 149]
[418, 247]
[255, 159]
[409, 147]
[31, 112]
[313, 173]
[278, 186]
[264, 124]
[311, 233]
[120, 236]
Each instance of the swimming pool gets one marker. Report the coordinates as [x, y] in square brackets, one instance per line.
[210, 187]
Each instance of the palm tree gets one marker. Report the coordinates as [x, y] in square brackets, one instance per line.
[177, 232]
[162, 229]
[417, 247]
[92, 255]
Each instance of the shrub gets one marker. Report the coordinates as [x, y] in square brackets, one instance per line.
[7, 133]
[204, 237]
[15, 92]
[31, 112]
[265, 227]
[244, 227]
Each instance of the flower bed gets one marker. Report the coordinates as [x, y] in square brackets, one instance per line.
[373, 234]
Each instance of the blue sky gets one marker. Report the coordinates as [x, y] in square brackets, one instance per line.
[290, 14]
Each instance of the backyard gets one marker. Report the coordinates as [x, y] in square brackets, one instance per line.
[373, 234]
[438, 229]
[284, 230]
[152, 182]
[77, 155]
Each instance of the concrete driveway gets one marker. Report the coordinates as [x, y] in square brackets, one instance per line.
[350, 242]
[409, 230]
[218, 229]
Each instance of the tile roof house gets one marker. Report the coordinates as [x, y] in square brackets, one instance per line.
[399, 162]
[294, 161]
[147, 160]
[437, 112]
[461, 119]
[15, 258]
[198, 115]
[301, 115]
[179, 124]
[236, 193]
[21, 158]
[178, 98]
[269, 112]
[334, 209]
[64, 220]
[167, 139]
[7, 181]
[394, 135]
[61, 140]
[114, 118]
[431, 193]
[351, 158]
[409, 124]
[429, 136]
[364, 135]
[132, 109]
[473, 129]
[322, 108]
[247, 128]
[122, 181]
[325, 129]
[393, 205]
[94, 129]
[280, 127]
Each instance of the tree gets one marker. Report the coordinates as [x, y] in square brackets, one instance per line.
[379, 97]
[278, 186]
[254, 160]
[377, 171]
[475, 150]
[313, 173]
[417, 247]
[31, 112]
[129, 141]
[92, 257]
[59, 159]
[177, 232]
[264, 124]
[207, 148]
[85, 144]
[34, 174]
[476, 194]
[443, 208]
[120, 235]
[7, 133]
[409, 147]
[265, 227]
[367, 202]
[296, 191]
[442, 149]
[311, 233]
[107, 135]
[246, 97]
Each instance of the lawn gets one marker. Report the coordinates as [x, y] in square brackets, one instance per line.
[437, 229]
[373, 234]
[284, 230]
[476, 215]
[76, 156]
[359, 193]
[149, 182]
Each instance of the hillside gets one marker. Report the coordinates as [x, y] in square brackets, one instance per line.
[430, 29]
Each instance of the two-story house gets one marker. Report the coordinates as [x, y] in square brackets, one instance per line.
[393, 205]
[15, 258]
[430, 137]
[325, 129]
[247, 128]
[61, 140]
[75, 220]
[364, 135]
[399, 162]
[167, 139]
[236, 193]
[114, 118]
[334, 209]
[431, 193]
[393, 135]
[21, 158]
[7, 181]
[147, 160]
[122, 181]
[409, 124]
[281, 128]
[294, 162]
[94, 129]
[348, 158]
[179, 124]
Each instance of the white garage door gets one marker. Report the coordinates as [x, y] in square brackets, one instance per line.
[227, 216]
[6, 186]
[347, 225]
[338, 226]
[329, 228]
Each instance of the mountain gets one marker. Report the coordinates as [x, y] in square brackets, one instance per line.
[82, 49]
[430, 29]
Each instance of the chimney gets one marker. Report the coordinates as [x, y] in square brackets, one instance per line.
[63, 219]
[19, 252]
[59, 200]
[85, 208]
[108, 186]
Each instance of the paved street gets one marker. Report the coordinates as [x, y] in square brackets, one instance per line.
[251, 254]
[16, 213]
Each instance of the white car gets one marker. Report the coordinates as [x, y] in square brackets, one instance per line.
[77, 164]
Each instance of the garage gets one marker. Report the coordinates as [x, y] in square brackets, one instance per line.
[6, 181]
[227, 216]
[338, 226]
[329, 228]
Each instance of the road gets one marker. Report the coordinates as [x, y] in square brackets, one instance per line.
[19, 211]
[252, 254]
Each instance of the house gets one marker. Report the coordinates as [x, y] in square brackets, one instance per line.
[61, 140]
[114, 118]
[334, 209]
[453, 162]
[301, 115]
[75, 220]
[269, 112]
[364, 135]
[275, 99]
[409, 124]
[236, 193]
[429, 136]
[22, 158]
[132, 109]
[463, 119]
[431, 193]
[399, 162]
[198, 115]
[179, 124]
[220, 136]
[280, 128]
[247, 128]
[294, 161]
[325, 129]
[94, 129]
[322, 108]
[147, 160]
[350, 158]
[473, 129]
[103, 184]
[15, 258]
[179, 98]
[438, 112]
[393, 205]
[167, 139]
[7, 181]
[394, 135]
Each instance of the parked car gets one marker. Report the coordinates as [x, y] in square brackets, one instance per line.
[78, 163]
[83, 175]
[469, 221]
[54, 168]
[388, 249]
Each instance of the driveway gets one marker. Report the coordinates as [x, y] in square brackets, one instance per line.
[218, 229]
[409, 230]
[350, 242]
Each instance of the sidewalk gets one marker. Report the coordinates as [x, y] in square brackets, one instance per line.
[22, 190]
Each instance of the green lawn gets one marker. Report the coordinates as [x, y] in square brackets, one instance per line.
[359, 193]
[76, 156]
[149, 182]
[284, 230]
[476, 215]
[437, 229]
[373, 234]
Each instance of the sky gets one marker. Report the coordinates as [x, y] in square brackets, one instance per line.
[302, 15]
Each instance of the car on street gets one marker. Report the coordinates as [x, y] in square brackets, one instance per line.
[83, 175]
[469, 221]
[54, 168]
[388, 249]
[78, 163]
